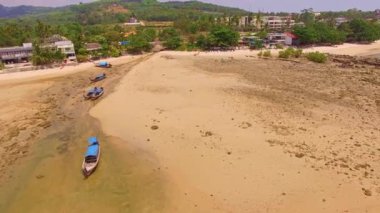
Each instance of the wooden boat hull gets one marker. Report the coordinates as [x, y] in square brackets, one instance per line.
[97, 79]
[107, 66]
[89, 168]
[94, 97]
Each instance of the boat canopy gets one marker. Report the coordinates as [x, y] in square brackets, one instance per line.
[92, 140]
[103, 63]
[92, 150]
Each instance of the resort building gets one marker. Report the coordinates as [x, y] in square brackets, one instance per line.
[16, 54]
[245, 21]
[278, 22]
[67, 48]
[340, 20]
[63, 44]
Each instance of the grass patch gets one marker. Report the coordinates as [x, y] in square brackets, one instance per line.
[317, 57]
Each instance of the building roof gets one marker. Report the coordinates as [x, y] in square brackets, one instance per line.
[291, 35]
[15, 49]
[55, 38]
[93, 46]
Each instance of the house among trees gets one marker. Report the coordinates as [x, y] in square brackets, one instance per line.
[93, 49]
[291, 39]
[133, 21]
[16, 54]
[63, 44]
[340, 20]
[276, 38]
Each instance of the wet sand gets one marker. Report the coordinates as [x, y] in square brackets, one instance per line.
[43, 144]
[239, 134]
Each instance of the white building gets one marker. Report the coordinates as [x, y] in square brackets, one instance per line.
[278, 22]
[67, 48]
[277, 38]
[340, 20]
[291, 39]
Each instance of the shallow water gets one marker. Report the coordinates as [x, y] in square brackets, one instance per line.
[50, 179]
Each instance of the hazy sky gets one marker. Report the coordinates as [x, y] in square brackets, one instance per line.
[254, 5]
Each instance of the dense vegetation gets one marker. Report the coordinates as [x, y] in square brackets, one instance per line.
[361, 27]
[194, 25]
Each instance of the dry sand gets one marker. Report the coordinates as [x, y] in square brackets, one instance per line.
[351, 49]
[238, 134]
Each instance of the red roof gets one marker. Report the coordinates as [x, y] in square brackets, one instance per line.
[291, 35]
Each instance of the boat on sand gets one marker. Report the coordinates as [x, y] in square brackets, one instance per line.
[94, 93]
[103, 64]
[91, 159]
[99, 77]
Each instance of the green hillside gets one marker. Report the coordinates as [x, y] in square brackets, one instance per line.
[118, 11]
[13, 12]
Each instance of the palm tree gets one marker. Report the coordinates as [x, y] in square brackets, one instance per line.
[259, 21]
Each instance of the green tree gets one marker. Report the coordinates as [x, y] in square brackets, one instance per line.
[364, 31]
[45, 55]
[307, 16]
[307, 35]
[138, 44]
[328, 34]
[171, 38]
[223, 36]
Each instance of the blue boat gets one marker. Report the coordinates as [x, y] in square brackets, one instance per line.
[92, 157]
[94, 93]
[104, 64]
[99, 77]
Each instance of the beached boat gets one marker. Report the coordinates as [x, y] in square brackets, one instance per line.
[104, 64]
[99, 77]
[98, 92]
[89, 93]
[93, 93]
[92, 157]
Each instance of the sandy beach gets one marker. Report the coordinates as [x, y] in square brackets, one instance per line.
[195, 132]
[249, 135]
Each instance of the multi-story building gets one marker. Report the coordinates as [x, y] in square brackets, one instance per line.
[16, 54]
[67, 48]
[272, 22]
[278, 22]
[63, 44]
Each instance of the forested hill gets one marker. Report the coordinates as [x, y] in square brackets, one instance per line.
[12, 12]
[116, 11]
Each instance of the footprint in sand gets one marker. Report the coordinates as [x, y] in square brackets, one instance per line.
[154, 127]
[245, 125]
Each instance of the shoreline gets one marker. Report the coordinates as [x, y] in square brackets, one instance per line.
[52, 162]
